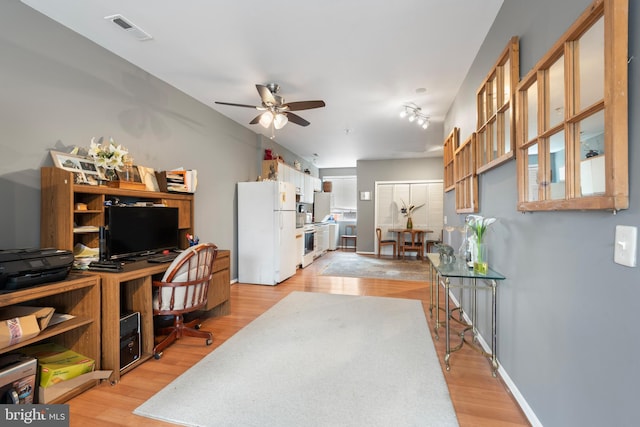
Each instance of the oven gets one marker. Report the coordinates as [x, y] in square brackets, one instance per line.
[309, 245]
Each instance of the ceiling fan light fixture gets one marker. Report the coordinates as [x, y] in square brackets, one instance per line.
[280, 120]
[266, 118]
[425, 125]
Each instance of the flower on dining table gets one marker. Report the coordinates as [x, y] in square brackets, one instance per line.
[408, 210]
[108, 155]
[478, 225]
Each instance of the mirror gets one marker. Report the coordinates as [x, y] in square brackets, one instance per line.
[495, 130]
[592, 157]
[591, 65]
[555, 105]
[583, 162]
[557, 166]
[532, 109]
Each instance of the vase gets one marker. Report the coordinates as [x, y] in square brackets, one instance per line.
[481, 258]
[409, 223]
[110, 174]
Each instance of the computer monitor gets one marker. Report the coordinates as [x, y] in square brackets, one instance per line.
[134, 230]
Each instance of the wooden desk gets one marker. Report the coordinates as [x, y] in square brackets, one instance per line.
[421, 232]
[131, 290]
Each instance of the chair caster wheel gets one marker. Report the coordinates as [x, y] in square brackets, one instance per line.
[209, 342]
[157, 356]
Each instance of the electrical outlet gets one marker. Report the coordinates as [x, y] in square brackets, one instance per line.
[445, 220]
[625, 245]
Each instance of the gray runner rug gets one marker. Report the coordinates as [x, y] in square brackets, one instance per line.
[316, 359]
[356, 265]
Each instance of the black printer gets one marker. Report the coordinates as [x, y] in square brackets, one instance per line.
[21, 268]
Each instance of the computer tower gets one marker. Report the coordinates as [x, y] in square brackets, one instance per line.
[130, 348]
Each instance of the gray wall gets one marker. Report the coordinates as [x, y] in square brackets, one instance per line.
[566, 312]
[370, 171]
[60, 89]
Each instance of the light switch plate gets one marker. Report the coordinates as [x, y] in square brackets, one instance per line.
[625, 245]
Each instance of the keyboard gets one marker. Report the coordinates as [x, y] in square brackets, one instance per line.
[161, 259]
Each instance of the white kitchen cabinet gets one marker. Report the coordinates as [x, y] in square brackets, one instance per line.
[299, 246]
[305, 184]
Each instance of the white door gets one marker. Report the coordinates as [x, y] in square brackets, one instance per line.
[390, 197]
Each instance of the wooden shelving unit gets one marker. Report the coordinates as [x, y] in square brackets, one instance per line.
[78, 295]
[59, 216]
[62, 226]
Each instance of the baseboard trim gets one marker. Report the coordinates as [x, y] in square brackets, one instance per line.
[528, 411]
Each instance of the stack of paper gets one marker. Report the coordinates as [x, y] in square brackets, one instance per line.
[83, 255]
[182, 181]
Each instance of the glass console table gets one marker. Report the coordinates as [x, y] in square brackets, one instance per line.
[466, 279]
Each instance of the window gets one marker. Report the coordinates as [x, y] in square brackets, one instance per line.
[345, 194]
[572, 110]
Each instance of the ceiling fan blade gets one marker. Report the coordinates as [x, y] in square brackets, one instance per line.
[256, 119]
[237, 105]
[266, 95]
[294, 118]
[304, 105]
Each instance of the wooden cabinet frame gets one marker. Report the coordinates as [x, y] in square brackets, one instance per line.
[466, 177]
[450, 145]
[612, 106]
[78, 296]
[495, 100]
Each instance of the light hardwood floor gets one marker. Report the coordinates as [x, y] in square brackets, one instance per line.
[478, 398]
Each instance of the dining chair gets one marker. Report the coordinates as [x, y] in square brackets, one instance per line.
[349, 236]
[385, 242]
[411, 241]
[430, 243]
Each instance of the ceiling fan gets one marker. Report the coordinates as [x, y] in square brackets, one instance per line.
[276, 110]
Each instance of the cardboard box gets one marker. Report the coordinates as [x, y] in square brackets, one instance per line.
[58, 364]
[19, 323]
[48, 394]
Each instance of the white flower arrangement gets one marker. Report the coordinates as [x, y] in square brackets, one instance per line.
[408, 211]
[479, 225]
[108, 155]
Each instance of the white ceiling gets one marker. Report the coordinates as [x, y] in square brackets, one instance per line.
[365, 59]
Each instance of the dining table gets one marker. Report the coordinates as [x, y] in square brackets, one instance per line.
[417, 235]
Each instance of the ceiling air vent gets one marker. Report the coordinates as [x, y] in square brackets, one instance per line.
[129, 27]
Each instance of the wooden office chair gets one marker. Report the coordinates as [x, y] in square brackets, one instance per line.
[183, 289]
[350, 235]
[411, 242]
[385, 242]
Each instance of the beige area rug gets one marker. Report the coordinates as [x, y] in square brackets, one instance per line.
[345, 264]
[316, 359]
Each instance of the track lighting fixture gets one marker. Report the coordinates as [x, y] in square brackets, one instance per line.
[415, 114]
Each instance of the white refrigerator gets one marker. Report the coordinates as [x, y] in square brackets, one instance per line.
[266, 232]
